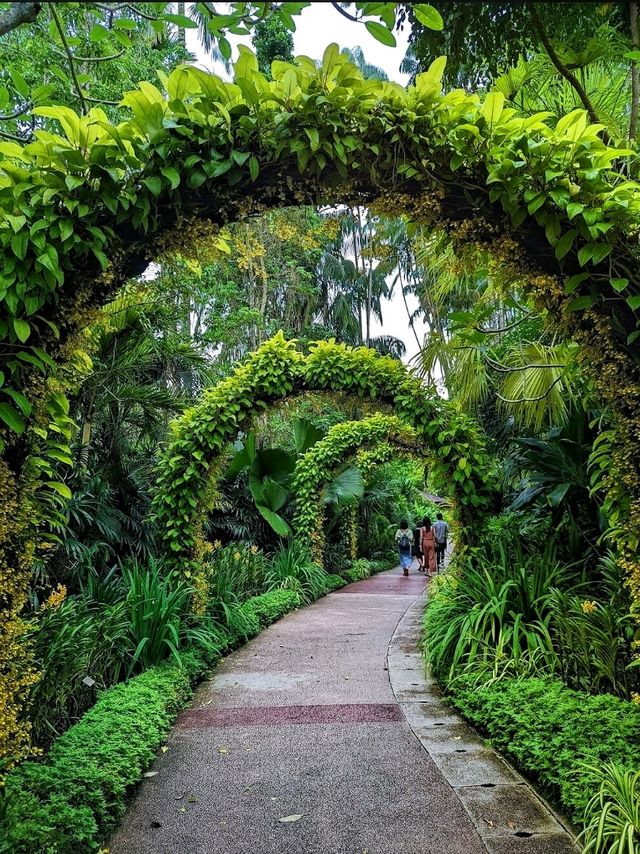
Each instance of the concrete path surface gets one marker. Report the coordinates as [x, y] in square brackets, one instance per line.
[303, 744]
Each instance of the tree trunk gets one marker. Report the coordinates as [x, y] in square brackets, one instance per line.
[182, 33]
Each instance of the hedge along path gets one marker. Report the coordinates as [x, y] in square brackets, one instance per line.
[190, 466]
[88, 204]
[370, 441]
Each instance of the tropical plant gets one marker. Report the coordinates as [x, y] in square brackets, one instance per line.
[359, 570]
[80, 646]
[491, 615]
[612, 816]
[157, 605]
[553, 471]
[593, 631]
[234, 572]
[291, 568]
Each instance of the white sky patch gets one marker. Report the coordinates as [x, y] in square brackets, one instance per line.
[316, 27]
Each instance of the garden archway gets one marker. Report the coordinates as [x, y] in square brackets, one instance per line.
[84, 210]
[192, 462]
[370, 441]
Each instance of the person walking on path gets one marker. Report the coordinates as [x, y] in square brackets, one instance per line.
[417, 551]
[428, 546]
[403, 541]
[440, 532]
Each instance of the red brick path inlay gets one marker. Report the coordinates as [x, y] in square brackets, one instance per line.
[339, 713]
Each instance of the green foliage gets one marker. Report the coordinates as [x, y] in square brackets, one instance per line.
[277, 369]
[593, 632]
[73, 798]
[272, 40]
[292, 568]
[269, 607]
[359, 570]
[157, 608]
[556, 735]
[234, 572]
[113, 628]
[76, 639]
[613, 815]
[491, 615]
[481, 39]
[334, 582]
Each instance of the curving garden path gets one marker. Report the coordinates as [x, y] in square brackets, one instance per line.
[322, 736]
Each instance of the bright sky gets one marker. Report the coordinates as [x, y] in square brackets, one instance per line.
[318, 26]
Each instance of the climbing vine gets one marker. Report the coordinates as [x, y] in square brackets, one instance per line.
[189, 467]
[369, 440]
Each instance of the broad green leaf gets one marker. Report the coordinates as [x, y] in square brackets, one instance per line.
[61, 488]
[98, 33]
[154, 184]
[381, 33]
[619, 284]
[180, 21]
[565, 243]
[492, 107]
[428, 16]
[278, 524]
[12, 418]
[580, 303]
[572, 283]
[314, 138]
[22, 87]
[555, 497]
[172, 175]
[21, 328]
[20, 400]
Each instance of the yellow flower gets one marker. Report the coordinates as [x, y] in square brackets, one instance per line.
[56, 597]
[589, 606]
[216, 544]
[254, 550]
[635, 698]
[236, 555]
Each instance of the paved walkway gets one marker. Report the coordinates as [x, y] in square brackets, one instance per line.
[321, 736]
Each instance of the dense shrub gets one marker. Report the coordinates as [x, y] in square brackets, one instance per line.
[73, 639]
[557, 735]
[359, 570]
[269, 607]
[334, 582]
[72, 800]
[292, 569]
[490, 615]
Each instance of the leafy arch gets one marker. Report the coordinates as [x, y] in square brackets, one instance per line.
[192, 462]
[370, 441]
[85, 209]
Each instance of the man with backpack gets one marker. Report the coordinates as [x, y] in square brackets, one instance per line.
[403, 541]
[440, 531]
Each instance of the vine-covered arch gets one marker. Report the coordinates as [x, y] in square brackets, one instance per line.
[374, 437]
[191, 464]
[85, 209]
